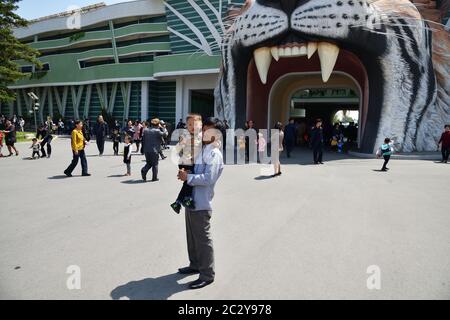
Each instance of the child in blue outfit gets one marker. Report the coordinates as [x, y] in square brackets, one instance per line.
[385, 151]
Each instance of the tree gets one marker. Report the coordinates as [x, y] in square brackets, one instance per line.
[11, 49]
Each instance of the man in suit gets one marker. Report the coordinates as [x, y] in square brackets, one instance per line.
[290, 135]
[101, 131]
[151, 142]
[317, 141]
[207, 170]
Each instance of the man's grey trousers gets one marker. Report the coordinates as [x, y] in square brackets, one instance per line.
[152, 160]
[199, 243]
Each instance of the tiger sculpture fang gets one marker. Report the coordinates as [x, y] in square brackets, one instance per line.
[403, 63]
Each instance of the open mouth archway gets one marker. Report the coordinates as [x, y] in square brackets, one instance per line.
[269, 103]
[281, 97]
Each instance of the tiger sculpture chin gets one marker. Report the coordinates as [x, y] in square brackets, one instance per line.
[400, 62]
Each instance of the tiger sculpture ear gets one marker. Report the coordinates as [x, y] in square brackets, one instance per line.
[407, 94]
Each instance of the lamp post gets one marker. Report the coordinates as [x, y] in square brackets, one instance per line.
[34, 98]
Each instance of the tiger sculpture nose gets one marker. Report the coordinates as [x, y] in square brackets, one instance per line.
[288, 6]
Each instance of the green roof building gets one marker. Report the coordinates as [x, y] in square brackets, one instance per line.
[135, 60]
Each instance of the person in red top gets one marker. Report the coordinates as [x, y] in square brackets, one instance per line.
[445, 143]
[1, 143]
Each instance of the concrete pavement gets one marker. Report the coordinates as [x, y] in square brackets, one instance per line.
[309, 234]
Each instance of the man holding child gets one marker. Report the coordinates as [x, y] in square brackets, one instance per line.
[207, 170]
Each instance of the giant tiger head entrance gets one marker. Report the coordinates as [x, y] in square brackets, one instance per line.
[294, 72]
[382, 49]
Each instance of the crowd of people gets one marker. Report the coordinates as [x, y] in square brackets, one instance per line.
[101, 130]
[198, 177]
[133, 133]
[202, 139]
[318, 136]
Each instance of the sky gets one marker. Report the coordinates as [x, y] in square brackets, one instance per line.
[32, 9]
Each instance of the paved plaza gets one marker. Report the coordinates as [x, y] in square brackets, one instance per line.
[310, 234]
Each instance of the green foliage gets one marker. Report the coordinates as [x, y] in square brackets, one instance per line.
[12, 49]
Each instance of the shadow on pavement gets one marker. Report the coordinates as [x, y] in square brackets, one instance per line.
[160, 288]
[60, 177]
[264, 178]
[133, 181]
[116, 176]
[97, 156]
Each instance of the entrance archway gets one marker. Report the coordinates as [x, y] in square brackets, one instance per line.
[266, 103]
[280, 105]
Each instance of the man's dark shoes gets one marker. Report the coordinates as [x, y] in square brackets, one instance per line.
[86, 174]
[197, 284]
[67, 174]
[144, 177]
[176, 207]
[155, 179]
[187, 270]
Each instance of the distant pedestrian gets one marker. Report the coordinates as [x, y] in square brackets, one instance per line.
[60, 127]
[35, 146]
[78, 143]
[385, 151]
[101, 132]
[10, 138]
[316, 141]
[164, 140]
[444, 142]
[137, 136]
[262, 143]
[277, 163]
[181, 125]
[1, 143]
[116, 125]
[129, 129]
[165, 132]
[21, 124]
[86, 129]
[116, 141]
[151, 142]
[45, 133]
[127, 154]
[250, 132]
[290, 136]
